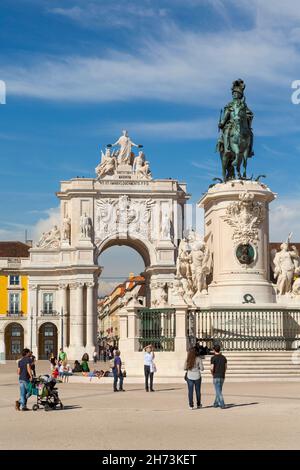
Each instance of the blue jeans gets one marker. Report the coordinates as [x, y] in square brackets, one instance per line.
[116, 377]
[191, 384]
[24, 395]
[219, 400]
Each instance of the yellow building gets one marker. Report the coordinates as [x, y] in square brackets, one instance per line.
[13, 299]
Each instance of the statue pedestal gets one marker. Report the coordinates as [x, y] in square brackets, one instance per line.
[237, 235]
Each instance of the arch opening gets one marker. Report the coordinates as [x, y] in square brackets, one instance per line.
[122, 277]
[14, 341]
[47, 340]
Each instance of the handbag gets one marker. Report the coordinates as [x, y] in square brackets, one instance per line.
[185, 377]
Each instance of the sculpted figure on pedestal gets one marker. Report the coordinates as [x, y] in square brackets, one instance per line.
[285, 265]
[66, 228]
[108, 164]
[166, 227]
[125, 155]
[50, 239]
[184, 259]
[85, 226]
[200, 266]
[159, 294]
[193, 265]
[235, 143]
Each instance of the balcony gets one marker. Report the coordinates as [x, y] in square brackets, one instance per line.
[49, 313]
[15, 313]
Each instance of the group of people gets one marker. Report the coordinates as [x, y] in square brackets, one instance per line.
[62, 370]
[194, 367]
[149, 369]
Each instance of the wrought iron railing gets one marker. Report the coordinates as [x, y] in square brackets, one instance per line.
[14, 313]
[49, 312]
[156, 327]
[245, 329]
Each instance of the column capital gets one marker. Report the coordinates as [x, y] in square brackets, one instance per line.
[63, 285]
[32, 287]
[76, 285]
[90, 284]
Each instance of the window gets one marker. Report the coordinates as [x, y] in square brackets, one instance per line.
[14, 280]
[48, 330]
[14, 303]
[16, 331]
[48, 303]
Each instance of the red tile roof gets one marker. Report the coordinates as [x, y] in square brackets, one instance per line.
[14, 250]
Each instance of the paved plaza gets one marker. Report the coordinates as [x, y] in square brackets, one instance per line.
[261, 416]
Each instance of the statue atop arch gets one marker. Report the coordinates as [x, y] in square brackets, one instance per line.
[122, 162]
[235, 143]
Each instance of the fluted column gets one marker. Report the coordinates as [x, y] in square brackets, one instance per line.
[64, 313]
[76, 315]
[90, 323]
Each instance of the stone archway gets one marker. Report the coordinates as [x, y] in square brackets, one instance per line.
[14, 341]
[122, 205]
[47, 340]
[140, 246]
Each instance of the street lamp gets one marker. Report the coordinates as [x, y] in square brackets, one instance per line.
[31, 321]
[62, 326]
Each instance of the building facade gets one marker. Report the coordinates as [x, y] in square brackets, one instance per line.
[110, 306]
[13, 298]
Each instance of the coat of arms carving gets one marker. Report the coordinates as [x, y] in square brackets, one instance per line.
[245, 216]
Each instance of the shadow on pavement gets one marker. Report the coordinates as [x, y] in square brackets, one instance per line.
[231, 405]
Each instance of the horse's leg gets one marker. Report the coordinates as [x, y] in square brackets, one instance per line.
[224, 168]
[238, 166]
[245, 165]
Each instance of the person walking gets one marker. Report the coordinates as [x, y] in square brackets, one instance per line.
[149, 367]
[117, 371]
[95, 356]
[25, 376]
[218, 370]
[193, 366]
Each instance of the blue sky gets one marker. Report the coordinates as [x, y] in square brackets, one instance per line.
[79, 71]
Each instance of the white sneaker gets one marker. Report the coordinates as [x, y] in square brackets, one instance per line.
[191, 407]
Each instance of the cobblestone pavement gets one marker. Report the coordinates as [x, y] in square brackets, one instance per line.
[260, 416]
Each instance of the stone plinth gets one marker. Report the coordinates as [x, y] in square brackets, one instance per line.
[237, 233]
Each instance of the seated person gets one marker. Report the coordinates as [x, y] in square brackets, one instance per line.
[77, 367]
[85, 366]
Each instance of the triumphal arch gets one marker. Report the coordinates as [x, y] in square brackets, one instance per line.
[122, 205]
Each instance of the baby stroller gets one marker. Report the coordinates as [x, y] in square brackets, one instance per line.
[46, 393]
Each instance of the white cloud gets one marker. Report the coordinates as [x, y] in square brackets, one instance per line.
[284, 218]
[177, 130]
[175, 65]
[14, 231]
[45, 224]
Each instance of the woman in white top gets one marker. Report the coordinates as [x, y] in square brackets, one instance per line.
[149, 367]
[193, 366]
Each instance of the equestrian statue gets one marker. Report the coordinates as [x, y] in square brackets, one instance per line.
[235, 143]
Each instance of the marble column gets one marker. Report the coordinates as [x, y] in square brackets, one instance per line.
[64, 312]
[2, 348]
[90, 321]
[76, 317]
